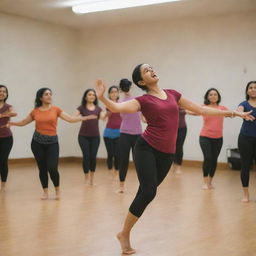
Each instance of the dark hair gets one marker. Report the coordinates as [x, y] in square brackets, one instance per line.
[206, 101]
[125, 85]
[3, 86]
[39, 95]
[247, 86]
[113, 87]
[136, 77]
[84, 101]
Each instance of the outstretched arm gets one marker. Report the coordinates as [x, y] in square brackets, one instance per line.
[74, 119]
[241, 109]
[23, 122]
[202, 110]
[130, 106]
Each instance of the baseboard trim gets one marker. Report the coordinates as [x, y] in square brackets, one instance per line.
[76, 159]
[196, 163]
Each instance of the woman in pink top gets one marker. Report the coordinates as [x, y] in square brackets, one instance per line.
[130, 131]
[153, 153]
[211, 137]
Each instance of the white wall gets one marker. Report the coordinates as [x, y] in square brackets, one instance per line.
[190, 55]
[35, 55]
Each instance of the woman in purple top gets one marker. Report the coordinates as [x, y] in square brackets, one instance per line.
[89, 135]
[130, 131]
[154, 150]
[6, 139]
[112, 133]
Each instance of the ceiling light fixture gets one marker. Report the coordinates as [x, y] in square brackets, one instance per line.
[106, 5]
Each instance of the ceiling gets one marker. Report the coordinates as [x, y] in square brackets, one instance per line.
[59, 11]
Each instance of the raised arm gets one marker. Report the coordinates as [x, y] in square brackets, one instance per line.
[202, 110]
[77, 118]
[130, 106]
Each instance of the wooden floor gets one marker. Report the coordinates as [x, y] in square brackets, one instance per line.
[183, 220]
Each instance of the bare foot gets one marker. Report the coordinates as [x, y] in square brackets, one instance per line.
[125, 244]
[205, 187]
[120, 190]
[210, 186]
[245, 200]
[44, 196]
[57, 196]
[2, 189]
[114, 175]
[178, 171]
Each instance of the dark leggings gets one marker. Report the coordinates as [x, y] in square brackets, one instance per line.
[5, 149]
[182, 132]
[247, 149]
[89, 147]
[126, 144]
[47, 158]
[211, 150]
[152, 166]
[112, 146]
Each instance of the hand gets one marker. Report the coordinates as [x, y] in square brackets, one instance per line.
[99, 88]
[245, 115]
[5, 114]
[89, 117]
[5, 125]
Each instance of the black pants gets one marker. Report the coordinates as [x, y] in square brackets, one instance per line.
[112, 146]
[152, 166]
[5, 149]
[89, 147]
[126, 144]
[182, 132]
[211, 150]
[47, 158]
[247, 149]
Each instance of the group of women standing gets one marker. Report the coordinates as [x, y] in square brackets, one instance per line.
[121, 132]
[154, 150]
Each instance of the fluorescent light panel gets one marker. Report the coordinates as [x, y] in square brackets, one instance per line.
[101, 5]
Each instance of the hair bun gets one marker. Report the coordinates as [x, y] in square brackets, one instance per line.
[125, 85]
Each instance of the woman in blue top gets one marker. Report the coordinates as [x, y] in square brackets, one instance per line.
[247, 137]
[112, 133]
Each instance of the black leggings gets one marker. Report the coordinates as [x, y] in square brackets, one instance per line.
[247, 149]
[112, 146]
[152, 166]
[47, 158]
[5, 149]
[211, 150]
[126, 144]
[182, 132]
[89, 147]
